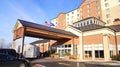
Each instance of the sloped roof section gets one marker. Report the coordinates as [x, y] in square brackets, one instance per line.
[42, 27]
[89, 27]
[116, 28]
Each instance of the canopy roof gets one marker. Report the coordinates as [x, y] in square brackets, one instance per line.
[40, 31]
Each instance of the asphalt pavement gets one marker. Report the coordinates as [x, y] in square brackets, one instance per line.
[51, 62]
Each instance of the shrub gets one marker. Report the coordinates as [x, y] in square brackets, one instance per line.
[56, 53]
[116, 57]
[67, 54]
[73, 57]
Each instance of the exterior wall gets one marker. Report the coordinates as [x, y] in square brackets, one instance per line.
[90, 9]
[93, 43]
[18, 30]
[93, 39]
[72, 16]
[118, 39]
[43, 47]
[71, 41]
[61, 21]
[19, 33]
[99, 40]
[110, 10]
[112, 39]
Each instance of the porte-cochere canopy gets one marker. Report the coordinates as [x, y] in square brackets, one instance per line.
[25, 28]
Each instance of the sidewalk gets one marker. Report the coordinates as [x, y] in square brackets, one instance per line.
[97, 62]
[49, 59]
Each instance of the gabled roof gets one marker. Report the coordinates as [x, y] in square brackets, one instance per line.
[42, 27]
[89, 18]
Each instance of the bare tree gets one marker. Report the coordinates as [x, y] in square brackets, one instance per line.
[1, 43]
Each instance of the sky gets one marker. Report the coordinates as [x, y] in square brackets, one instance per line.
[37, 11]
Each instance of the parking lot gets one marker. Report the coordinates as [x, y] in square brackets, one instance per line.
[50, 62]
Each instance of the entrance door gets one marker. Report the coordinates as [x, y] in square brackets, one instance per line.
[61, 53]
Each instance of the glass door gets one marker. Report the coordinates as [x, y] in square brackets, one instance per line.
[61, 53]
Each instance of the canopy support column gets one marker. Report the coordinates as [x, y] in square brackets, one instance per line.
[22, 43]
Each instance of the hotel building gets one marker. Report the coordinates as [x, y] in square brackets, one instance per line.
[89, 32]
[97, 24]
[110, 10]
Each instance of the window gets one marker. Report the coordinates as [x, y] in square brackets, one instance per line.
[106, 4]
[69, 51]
[119, 48]
[111, 48]
[90, 21]
[72, 12]
[105, 0]
[88, 5]
[99, 52]
[84, 23]
[87, 51]
[65, 45]
[97, 2]
[111, 53]
[109, 21]
[88, 54]
[69, 45]
[78, 25]
[87, 22]
[107, 15]
[67, 14]
[81, 24]
[118, 0]
[78, 15]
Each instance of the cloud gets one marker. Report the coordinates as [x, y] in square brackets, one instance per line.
[19, 11]
[34, 13]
